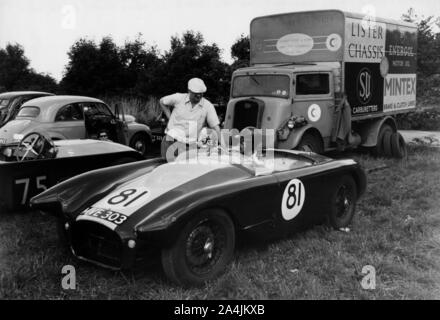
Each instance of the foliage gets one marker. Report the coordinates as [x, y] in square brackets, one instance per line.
[240, 52]
[427, 120]
[15, 73]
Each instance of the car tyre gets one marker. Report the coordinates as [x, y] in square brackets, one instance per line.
[383, 141]
[398, 146]
[202, 249]
[310, 143]
[343, 203]
[140, 142]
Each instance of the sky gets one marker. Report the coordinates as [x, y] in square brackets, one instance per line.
[48, 28]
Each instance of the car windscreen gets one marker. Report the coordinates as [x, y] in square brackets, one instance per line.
[28, 112]
[261, 85]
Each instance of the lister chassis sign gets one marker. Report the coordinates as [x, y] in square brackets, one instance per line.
[378, 55]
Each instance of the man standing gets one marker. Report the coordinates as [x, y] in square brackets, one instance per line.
[190, 113]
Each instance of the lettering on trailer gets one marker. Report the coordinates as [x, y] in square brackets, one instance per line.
[365, 42]
[401, 49]
[399, 92]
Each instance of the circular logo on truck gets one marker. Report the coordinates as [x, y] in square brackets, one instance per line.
[333, 42]
[314, 113]
[293, 199]
[295, 44]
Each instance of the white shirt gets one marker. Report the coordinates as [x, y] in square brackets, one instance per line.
[187, 121]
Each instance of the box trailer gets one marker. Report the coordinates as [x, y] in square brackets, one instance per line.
[327, 79]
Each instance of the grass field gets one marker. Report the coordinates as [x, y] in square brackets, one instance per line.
[396, 229]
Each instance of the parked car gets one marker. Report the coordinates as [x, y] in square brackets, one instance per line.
[10, 103]
[76, 117]
[37, 163]
[189, 213]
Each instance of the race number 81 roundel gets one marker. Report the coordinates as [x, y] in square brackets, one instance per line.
[293, 199]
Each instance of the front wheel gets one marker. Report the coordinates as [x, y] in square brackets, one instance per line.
[310, 143]
[202, 250]
[343, 203]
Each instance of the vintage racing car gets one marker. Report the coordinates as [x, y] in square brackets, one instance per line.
[76, 117]
[190, 212]
[38, 163]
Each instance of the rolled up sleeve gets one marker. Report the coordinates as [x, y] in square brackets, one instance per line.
[171, 100]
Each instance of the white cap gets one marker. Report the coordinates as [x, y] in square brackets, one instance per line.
[196, 85]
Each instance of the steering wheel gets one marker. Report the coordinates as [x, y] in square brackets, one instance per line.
[35, 146]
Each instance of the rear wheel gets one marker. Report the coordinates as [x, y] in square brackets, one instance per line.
[383, 145]
[310, 143]
[139, 142]
[202, 250]
[343, 203]
[398, 146]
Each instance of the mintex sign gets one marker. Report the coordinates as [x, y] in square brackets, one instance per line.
[379, 57]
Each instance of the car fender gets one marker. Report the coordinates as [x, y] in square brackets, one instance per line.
[135, 127]
[295, 137]
[95, 185]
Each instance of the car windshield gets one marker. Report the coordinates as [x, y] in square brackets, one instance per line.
[4, 102]
[269, 162]
[261, 85]
[28, 112]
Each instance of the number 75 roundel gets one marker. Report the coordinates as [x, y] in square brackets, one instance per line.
[293, 199]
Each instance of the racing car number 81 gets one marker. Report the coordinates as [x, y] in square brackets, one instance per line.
[127, 198]
[293, 199]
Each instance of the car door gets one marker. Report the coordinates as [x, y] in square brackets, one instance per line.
[99, 120]
[303, 196]
[69, 122]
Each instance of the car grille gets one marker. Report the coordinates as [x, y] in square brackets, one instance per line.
[247, 114]
[97, 243]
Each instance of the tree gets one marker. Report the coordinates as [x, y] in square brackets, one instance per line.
[15, 73]
[240, 52]
[190, 57]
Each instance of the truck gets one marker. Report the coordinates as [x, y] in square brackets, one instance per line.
[327, 80]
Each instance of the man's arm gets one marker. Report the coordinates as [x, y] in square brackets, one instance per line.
[165, 109]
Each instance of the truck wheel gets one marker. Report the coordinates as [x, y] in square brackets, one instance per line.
[139, 142]
[202, 250]
[310, 143]
[379, 150]
[398, 146]
[386, 142]
[343, 203]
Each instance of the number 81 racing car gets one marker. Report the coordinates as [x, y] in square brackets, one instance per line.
[191, 211]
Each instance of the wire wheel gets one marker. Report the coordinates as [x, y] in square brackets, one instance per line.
[202, 249]
[343, 203]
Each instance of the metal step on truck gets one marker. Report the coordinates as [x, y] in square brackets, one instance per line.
[326, 80]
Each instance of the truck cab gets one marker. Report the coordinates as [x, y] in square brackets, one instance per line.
[297, 98]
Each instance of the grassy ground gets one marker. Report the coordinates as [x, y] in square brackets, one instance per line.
[396, 230]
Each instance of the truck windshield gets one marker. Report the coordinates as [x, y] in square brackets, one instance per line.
[261, 85]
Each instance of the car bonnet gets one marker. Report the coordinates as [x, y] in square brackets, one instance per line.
[150, 189]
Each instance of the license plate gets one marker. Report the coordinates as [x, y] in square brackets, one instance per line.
[107, 215]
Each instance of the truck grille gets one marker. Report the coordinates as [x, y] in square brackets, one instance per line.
[247, 114]
[97, 243]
